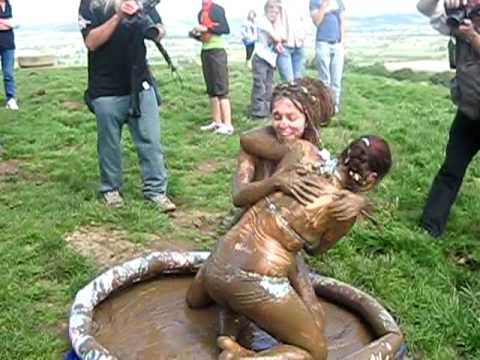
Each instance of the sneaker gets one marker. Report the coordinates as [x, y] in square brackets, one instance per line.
[12, 104]
[224, 130]
[113, 199]
[210, 127]
[162, 202]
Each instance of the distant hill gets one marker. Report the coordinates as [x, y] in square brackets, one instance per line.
[179, 28]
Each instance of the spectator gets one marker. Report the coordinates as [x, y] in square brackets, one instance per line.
[212, 25]
[7, 53]
[327, 15]
[108, 36]
[464, 138]
[269, 44]
[290, 62]
[249, 36]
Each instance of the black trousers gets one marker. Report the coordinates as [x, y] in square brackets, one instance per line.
[463, 144]
[249, 51]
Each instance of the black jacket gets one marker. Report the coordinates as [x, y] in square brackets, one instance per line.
[217, 15]
[465, 87]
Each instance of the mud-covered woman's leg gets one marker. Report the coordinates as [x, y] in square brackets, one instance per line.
[302, 284]
[197, 295]
[278, 309]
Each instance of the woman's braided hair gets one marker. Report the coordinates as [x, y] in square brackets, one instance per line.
[313, 98]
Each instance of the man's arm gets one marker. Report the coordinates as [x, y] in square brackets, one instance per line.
[6, 24]
[220, 26]
[468, 32]
[342, 28]
[319, 13]
[428, 7]
[101, 34]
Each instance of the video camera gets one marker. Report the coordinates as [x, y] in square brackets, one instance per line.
[144, 23]
[195, 35]
[456, 16]
[143, 19]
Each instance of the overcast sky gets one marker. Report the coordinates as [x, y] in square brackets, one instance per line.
[64, 11]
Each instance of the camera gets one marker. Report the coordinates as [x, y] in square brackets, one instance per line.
[144, 24]
[456, 16]
[195, 35]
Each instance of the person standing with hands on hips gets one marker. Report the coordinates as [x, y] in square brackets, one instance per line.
[461, 20]
[7, 53]
[328, 17]
[107, 29]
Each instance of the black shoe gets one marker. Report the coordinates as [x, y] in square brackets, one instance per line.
[431, 230]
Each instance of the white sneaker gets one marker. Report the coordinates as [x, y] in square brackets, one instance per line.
[210, 127]
[224, 130]
[163, 203]
[12, 104]
[113, 199]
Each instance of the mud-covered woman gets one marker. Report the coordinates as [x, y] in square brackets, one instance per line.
[254, 270]
[299, 109]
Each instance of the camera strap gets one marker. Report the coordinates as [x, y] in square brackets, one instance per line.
[452, 53]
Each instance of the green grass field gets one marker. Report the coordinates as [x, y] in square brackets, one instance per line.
[431, 286]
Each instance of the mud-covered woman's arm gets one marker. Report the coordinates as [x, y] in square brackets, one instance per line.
[245, 191]
[335, 231]
[263, 143]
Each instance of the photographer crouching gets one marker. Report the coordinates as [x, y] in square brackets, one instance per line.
[121, 90]
[461, 20]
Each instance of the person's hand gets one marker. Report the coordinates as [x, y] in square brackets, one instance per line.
[348, 205]
[128, 8]
[329, 6]
[455, 4]
[467, 29]
[305, 189]
[200, 28]
[279, 48]
[161, 31]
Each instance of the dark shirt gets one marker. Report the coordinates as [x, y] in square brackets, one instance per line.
[110, 66]
[7, 40]
[217, 15]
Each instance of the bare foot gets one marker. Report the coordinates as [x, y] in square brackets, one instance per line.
[231, 349]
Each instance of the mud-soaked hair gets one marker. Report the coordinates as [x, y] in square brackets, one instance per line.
[368, 153]
[313, 98]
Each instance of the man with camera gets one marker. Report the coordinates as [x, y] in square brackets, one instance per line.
[111, 30]
[461, 20]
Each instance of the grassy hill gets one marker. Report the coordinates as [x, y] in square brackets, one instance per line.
[431, 286]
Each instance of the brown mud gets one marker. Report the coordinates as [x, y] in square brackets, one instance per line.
[152, 321]
[8, 167]
[112, 247]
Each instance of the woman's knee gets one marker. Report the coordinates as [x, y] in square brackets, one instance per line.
[197, 296]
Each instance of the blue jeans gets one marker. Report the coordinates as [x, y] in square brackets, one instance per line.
[329, 60]
[8, 62]
[290, 63]
[261, 96]
[112, 114]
